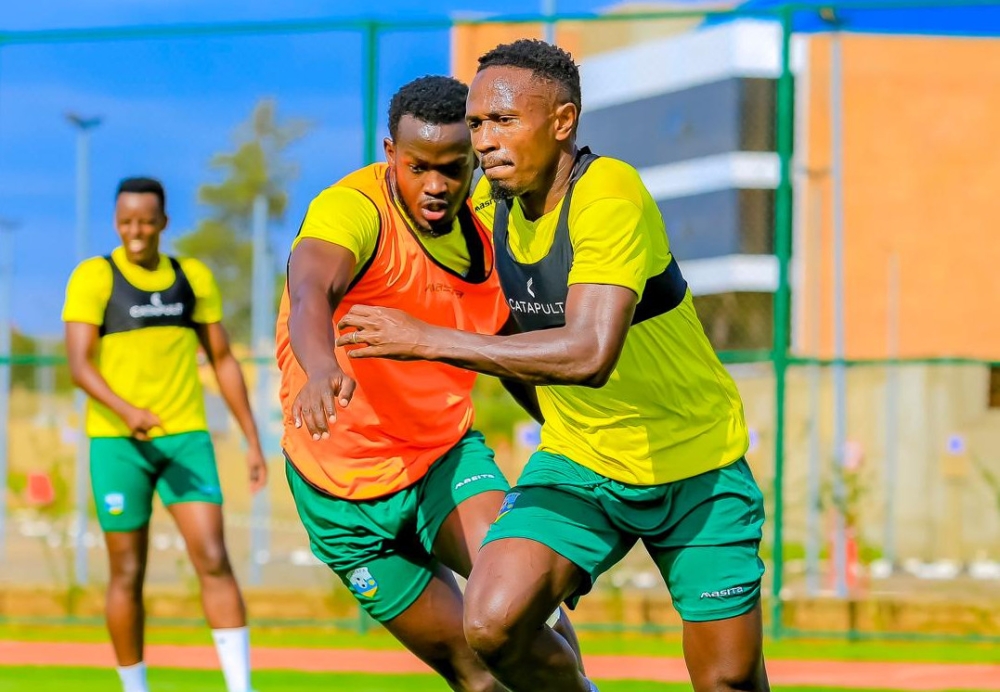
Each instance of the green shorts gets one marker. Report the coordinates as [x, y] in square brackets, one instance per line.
[703, 533]
[125, 471]
[381, 548]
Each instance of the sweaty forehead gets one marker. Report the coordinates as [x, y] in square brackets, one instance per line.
[501, 88]
[432, 140]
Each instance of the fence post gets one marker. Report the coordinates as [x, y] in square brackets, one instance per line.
[782, 302]
[370, 91]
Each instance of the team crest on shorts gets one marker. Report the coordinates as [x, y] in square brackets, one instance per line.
[114, 503]
[363, 583]
[508, 504]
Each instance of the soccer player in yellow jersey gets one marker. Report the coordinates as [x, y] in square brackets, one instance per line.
[644, 432]
[134, 322]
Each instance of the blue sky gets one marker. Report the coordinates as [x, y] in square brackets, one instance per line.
[168, 105]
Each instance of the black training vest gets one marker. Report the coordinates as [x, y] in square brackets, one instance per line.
[536, 293]
[132, 308]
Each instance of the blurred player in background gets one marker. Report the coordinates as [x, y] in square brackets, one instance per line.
[134, 322]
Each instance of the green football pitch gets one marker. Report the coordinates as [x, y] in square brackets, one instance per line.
[51, 679]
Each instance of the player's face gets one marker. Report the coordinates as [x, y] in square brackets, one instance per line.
[515, 130]
[139, 220]
[432, 166]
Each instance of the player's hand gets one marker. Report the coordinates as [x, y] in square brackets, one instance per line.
[315, 406]
[140, 422]
[383, 333]
[256, 468]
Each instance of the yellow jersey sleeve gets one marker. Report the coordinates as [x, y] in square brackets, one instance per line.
[613, 233]
[208, 300]
[345, 217]
[483, 204]
[88, 292]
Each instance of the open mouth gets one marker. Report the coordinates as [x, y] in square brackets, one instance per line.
[136, 247]
[434, 211]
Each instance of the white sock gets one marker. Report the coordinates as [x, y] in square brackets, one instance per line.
[133, 677]
[233, 646]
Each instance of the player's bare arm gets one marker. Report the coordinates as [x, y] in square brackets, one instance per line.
[82, 341]
[319, 274]
[583, 352]
[523, 393]
[215, 341]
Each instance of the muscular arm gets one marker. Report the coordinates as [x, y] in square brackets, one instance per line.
[583, 352]
[81, 350]
[523, 393]
[229, 375]
[319, 274]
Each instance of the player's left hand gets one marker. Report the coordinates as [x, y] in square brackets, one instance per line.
[257, 469]
[382, 333]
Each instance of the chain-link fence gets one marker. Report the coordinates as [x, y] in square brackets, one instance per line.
[827, 176]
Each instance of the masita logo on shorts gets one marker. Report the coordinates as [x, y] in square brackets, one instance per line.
[156, 308]
[114, 503]
[724, 593]
[363, 583]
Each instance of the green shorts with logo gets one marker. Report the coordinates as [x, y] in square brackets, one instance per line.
[381, 548]
[124, 472]
[703, 533]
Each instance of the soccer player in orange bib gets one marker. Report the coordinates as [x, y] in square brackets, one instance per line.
[395, 488]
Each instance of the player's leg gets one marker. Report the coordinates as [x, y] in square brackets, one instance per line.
[708, 555]
[189, 488]
[373, 548]
[458, 501]
[123, 608]
[506, 609]
[201, 525]
[550, 540]
[431, 627]
[122, 481]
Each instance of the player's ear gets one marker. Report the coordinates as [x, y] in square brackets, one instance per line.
[390, 150]
[566, 118]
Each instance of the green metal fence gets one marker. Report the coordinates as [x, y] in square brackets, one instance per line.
[786, 385]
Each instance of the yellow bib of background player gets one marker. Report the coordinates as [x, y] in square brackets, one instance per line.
[154, 367]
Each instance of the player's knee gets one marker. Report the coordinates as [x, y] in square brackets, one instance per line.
[488, 634]
[211, 560]
[126, 574]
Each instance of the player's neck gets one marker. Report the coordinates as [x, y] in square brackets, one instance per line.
[552, 188]
[151, 263]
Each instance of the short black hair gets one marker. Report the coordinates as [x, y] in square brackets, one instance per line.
[545, 61]
[431, 99]
[144, 185]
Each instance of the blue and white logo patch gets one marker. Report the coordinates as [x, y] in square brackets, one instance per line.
[114, 503]
[363, 583]
[508, 504]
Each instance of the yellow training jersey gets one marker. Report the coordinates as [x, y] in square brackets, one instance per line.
[670, 409]
[156, 367]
